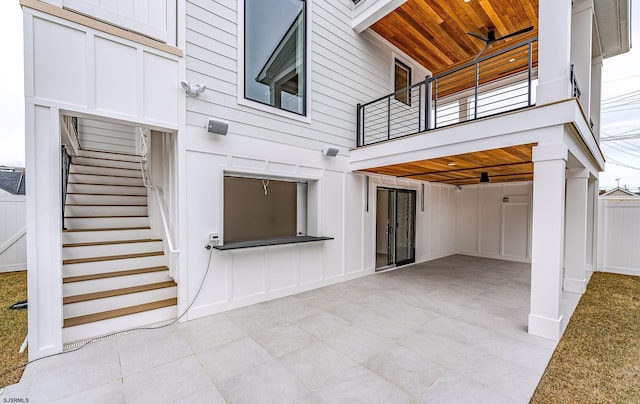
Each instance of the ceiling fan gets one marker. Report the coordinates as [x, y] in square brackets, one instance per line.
[491, 38]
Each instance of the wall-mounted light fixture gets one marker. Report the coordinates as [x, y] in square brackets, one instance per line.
[217, 126]
[484, 177]
[193, 90]
[330, 151]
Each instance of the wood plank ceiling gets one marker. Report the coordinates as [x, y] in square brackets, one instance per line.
[434, 32]
[507, 164]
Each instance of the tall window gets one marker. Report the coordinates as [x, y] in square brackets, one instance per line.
[402, 79]
[274, 53]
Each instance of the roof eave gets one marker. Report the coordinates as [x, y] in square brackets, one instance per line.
[613, 18]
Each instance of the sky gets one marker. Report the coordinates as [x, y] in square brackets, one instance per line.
[621, 114]
[620, 96]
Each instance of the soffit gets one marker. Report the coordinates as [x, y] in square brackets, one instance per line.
[507, 164]
[614, 26]
[434, 32]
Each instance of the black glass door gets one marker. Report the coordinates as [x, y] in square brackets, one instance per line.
[405, 220]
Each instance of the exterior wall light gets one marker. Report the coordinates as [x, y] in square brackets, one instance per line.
[193, 90]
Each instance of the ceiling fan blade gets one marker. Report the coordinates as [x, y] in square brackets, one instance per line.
[522, 31]
[481, 52]
[480, 37]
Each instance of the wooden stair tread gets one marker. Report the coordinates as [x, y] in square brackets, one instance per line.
[105, 315]
[106, 275]
[112, 257]
[137, 176]
[107, 229]
[100, 166]
[94, 193]
[104, 185]
[108, 152]
[104, 158]
[100, 204]
[105, 217]
[117, 292]
[106, 175]
[96, 243]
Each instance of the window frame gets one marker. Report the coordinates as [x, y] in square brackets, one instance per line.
[405, 66]
[266, 107]
[308, 198]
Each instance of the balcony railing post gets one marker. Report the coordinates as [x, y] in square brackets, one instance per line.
[435, 103]
[475, 95]
[359, 133]
[419, 106]
[389, 118]
[529, 72]
[427, 102]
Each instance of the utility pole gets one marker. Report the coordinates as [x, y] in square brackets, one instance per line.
[617, 182]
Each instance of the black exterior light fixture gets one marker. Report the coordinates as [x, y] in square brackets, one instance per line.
[484, 177]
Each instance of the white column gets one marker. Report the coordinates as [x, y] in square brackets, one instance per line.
[581, 46]
[596, 94]
[575, 274]
[44, 225]
[592, 226]
[549, 163]
[554, 44]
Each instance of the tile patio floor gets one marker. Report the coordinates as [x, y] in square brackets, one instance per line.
[451, 330]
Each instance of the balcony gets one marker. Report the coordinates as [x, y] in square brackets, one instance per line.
[491, 85]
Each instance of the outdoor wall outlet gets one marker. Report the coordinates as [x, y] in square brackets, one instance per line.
[214, 238]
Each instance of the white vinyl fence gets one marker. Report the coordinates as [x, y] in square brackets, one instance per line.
[619, 235]
[13, 242]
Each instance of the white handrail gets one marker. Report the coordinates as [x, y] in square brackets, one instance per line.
[146, 178]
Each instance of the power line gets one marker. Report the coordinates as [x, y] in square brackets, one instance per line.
[618, 163]
[616, 138]
[623, 151]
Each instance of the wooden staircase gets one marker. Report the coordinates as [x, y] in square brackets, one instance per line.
[115, 275]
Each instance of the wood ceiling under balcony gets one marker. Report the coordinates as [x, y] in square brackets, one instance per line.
[507, 164]
[434, 32]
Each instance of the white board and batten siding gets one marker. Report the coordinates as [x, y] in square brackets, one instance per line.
[79, 69]
[152, 18]
[245, 276]
[494, 221]
[619, 235]
[345, 68]
[13, 242]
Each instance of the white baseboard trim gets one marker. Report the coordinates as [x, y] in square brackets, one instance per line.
[575, 285]
[13, 267]
[546, 327]
[622, 271]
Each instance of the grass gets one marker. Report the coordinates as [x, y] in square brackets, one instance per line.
[598, 358]
[13, 323]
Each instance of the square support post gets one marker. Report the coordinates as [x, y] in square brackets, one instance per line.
[547, 252]
[575, 272]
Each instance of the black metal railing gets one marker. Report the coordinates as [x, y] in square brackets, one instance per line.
[575, 87]
[491, 85]
[66, 162]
